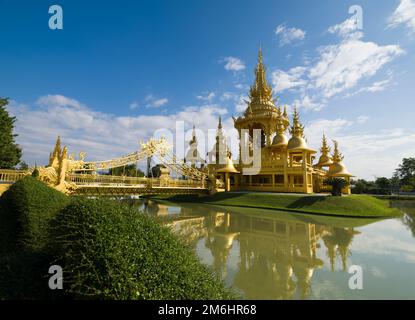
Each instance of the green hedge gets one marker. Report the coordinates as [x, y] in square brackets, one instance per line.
[106, 249]
[111, 252]
[26, 210]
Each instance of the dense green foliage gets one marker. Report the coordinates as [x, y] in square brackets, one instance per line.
[113, 253]
[130, 170]
[27, 208]
[351, 206]
[106, 249]
[337, 185]
[406, 172]
[25, 212]
[403, 180]
[10, 152]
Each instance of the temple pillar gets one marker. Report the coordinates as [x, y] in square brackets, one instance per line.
[285, 172]
[227, 182]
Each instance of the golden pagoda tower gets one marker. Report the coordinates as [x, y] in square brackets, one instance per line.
[261, 112]
[337, 169]
[280, 140]
[325, 160]
[286, 165]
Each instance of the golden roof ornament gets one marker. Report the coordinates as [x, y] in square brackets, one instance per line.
[337, 156]
[297, 129]
[325, 149]
[297, 141]
[229, 167]
[325, 159]
[337, 168]
[280, 140]
[261, 91]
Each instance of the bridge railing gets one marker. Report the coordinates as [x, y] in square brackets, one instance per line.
[123, 181]
[10, 176]
[87, 179]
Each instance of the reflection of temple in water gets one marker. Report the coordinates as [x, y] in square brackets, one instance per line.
[277, 252]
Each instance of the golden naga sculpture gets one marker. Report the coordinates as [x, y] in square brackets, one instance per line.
[60, 167]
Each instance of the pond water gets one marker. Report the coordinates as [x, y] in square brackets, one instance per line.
[265, 254]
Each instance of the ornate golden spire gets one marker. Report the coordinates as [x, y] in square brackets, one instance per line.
[297, 129]
[280, 122]
[261, 91]
[337, 156]
[220, 122]
[57, 150]
[325, 149]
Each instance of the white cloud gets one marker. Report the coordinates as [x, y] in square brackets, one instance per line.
[404, 15]
[308, 102]
[286, 80]
[153, 102]
[362, 119]
[347, 29]
[227, 96]
[367, 154]
[58, 100]
[101, 135]
[342, 66]
[287, 35]
[233, 64]
[134, 105]
[376, 86]
[338, 68]
[207, 97]
[241, 105]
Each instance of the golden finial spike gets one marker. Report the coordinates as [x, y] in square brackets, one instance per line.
[297, 128]
[261, 91]
[220, 122]
[260, 54]
[337, 156]
[325, 149]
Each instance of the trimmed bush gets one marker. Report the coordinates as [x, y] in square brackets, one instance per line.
[25, 212]
[106, 249]
[110, 252]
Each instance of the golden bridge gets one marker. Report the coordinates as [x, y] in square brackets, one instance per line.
[80, 177]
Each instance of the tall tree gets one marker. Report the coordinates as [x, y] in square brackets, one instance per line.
[406, 171]
[10, 152]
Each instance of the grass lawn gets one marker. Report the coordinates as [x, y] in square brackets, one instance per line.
[361, 206]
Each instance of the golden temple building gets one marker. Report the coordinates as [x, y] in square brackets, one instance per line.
[287, 162]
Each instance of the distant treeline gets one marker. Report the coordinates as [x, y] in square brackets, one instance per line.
[403, 180]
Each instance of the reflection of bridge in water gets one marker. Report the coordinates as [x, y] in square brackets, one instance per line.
[266, 256]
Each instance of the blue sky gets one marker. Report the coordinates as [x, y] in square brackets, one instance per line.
[119, 70]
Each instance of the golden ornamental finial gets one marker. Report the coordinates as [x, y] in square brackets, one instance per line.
[260, 54]
[297, 129]
[325, 149]
[337, 156]
[220, 122]
[261, 91]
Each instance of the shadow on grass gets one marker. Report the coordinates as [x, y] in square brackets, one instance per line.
[305, 202]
